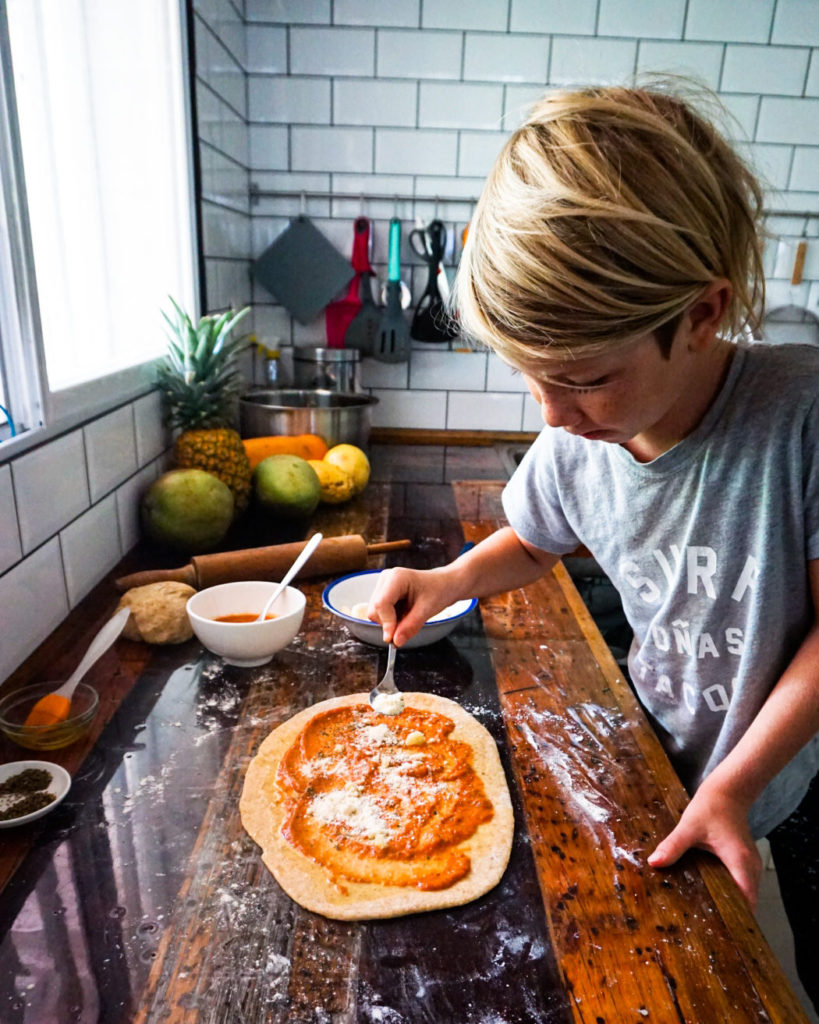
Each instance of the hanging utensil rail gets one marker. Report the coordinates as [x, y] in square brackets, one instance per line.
[257, 193]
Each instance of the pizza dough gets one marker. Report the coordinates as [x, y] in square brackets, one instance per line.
[264, 809]
[158, 614]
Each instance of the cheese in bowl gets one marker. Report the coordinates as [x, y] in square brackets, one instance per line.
[348, 597]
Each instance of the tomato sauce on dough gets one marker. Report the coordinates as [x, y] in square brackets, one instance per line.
[368, 806]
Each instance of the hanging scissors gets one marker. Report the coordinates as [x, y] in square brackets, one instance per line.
[420, 242]
[430, 243]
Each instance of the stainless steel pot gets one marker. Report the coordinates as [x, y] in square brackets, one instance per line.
[337, 416]
[336, 369]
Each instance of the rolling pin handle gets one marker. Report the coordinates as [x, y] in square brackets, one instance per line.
[186, 574]
[388, 545]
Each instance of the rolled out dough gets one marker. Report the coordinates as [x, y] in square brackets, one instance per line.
[263, 810]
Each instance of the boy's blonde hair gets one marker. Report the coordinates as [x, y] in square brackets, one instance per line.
[604, 217]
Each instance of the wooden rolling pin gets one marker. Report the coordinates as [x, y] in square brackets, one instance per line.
[333, 555]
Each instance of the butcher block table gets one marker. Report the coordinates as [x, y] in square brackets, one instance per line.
[141, 898]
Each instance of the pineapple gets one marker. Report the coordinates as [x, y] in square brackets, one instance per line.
[200, 382]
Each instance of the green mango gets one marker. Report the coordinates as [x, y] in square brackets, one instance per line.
[287, 486]
[189, 510]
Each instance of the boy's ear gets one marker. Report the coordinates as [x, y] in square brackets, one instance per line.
[704, 318]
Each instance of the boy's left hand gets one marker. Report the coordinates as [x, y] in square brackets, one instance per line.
[712, 822]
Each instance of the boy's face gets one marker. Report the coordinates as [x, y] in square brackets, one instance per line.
[632, 395]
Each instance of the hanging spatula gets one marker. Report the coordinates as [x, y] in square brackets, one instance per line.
[340, 314]
[363, 331]
[392, 344]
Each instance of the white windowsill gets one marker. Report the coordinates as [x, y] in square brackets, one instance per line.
[71, 408]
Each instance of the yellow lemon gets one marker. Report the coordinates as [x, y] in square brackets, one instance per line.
[353, 462]
[336, 485]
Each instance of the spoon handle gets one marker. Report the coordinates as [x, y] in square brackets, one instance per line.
[306, 551]
[98, 646]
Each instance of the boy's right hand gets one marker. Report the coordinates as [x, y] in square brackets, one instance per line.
[404, 599]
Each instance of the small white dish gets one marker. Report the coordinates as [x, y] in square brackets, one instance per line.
[59, 786]
[245, 643]
[342, 595]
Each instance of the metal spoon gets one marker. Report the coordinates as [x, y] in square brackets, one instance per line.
[305, 553]
[386, 698]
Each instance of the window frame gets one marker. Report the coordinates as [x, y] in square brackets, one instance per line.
[59, 411]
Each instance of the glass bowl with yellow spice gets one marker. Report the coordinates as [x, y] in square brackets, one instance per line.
[15, 706]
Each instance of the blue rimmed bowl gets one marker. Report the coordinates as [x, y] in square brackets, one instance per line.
[346, 596]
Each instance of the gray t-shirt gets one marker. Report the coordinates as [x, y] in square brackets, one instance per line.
[708, 546]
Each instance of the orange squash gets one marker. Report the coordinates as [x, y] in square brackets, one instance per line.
[306, 446]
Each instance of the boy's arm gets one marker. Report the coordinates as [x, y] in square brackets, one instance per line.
[717, 817]
[501, 562]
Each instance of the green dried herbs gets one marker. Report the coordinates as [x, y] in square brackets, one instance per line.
[27, 781]
[28, 787]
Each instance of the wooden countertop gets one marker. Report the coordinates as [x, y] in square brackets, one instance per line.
[142, 899]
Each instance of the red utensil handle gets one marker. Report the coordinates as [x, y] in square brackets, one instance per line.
[361, 245]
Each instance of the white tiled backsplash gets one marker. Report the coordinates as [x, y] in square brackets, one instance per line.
[416, 97]
[68, 513]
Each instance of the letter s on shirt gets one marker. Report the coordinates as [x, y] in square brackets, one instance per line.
[646, 588]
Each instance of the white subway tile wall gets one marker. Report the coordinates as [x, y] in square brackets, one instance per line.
[722, 21]
[448, 371]
[812, 88]
[532, 420]
[50, 488]
[128, 496]
[381, 102]
[34, 601]
[11, 549]
[365, 98]
[69, 511]
[555, 16]
[151, 435]
[486, 411]
[642, 17]
[110, 449]
[579, 60]
[90, 547]
[702, 61]
[409, 408]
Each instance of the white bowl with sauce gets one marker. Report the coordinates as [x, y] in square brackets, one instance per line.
[245, 643]
[347, 596]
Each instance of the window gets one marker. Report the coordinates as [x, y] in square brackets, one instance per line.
[98, 91]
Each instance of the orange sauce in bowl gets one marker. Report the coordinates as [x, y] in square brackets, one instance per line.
[241, 617]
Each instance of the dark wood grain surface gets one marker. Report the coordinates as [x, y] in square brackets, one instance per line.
[599, 792]
[141, 898]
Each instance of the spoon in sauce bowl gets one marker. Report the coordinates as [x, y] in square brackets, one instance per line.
[305, 553]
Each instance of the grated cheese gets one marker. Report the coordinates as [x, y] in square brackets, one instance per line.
[352, 809]
[378, 735]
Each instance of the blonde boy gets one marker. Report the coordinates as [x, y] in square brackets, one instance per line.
[614, 259]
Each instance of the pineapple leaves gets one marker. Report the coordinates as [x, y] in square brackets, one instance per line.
[198, 375]
[227, 323]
